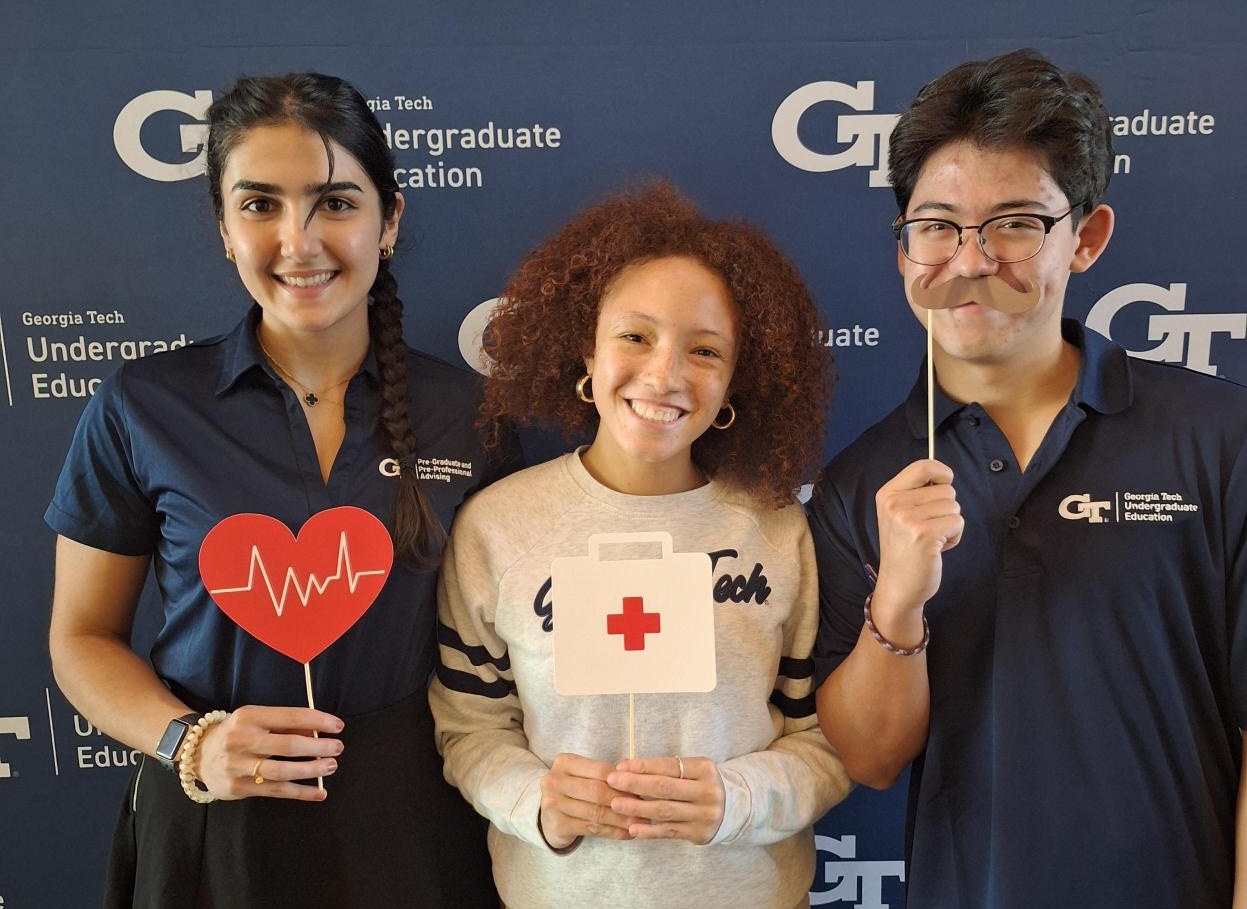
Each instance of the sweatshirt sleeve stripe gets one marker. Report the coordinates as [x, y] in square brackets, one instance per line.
[477, 655]
[467, 683]
[796, 669]
[793, 708]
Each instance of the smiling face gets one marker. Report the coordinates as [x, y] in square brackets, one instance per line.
[662, 364]
[307, 252]
[967, 184]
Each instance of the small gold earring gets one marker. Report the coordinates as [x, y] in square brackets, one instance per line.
[229, 254]
[584, 390]
[386, 252]
[731, 417]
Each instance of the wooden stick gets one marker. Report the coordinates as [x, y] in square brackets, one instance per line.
[631, 728]
[930, 391]
[307, 680]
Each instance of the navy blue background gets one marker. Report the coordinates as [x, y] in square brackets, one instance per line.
[682, 90]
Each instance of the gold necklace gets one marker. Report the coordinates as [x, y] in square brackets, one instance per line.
[311, 398]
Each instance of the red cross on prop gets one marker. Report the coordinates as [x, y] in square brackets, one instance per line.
[634, 623]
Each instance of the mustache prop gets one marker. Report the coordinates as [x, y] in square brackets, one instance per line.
[987, 290]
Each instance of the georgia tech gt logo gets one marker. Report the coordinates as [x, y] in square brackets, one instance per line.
[127, 134]
[865, 133]
[852, 880]
[1181, 337]
[1079, 507]
[17, 726]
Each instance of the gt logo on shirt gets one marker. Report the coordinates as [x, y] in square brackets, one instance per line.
[1079, 507]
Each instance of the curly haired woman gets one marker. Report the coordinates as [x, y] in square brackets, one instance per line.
[683, 348]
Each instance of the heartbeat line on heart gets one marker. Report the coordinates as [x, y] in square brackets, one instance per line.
[304, 593]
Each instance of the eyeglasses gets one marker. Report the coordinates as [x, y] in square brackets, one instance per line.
[1005, 238]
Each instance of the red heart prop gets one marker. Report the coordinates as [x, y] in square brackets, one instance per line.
[297, 595]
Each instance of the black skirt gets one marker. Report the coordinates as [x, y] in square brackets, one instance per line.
[391, 833]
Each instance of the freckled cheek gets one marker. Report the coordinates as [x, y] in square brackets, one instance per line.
[714, 388]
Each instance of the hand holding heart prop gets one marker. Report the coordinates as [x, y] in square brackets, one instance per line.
[297, 595]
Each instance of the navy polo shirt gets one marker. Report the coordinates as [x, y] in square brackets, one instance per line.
[173, 443]
[1088, 657]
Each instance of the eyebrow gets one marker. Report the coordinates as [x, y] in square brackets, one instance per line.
[999, 208]
[312, 189]
[633, 314]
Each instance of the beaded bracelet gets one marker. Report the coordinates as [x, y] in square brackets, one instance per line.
[888, 645]
[186, 758]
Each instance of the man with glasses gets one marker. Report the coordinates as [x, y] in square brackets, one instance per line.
[1074, 556]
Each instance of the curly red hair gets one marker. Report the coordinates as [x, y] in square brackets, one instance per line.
[546, 323]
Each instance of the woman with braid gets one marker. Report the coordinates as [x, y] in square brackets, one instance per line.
[311, 402]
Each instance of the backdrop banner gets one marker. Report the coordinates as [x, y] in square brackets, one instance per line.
[506, 119]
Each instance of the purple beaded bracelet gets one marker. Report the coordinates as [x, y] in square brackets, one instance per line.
[888, 645]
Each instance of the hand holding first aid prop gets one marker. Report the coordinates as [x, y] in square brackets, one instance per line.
[636, 626]
[297, 595]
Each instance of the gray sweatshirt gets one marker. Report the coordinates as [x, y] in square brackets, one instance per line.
[500, 721]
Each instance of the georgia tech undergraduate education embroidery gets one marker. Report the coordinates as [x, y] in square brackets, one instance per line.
[1147, 507]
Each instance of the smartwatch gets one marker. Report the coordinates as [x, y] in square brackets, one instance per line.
[175, 734]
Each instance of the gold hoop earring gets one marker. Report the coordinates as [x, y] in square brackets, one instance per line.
[731, 417]
[229, 254]
[581, 385]
[387, 252]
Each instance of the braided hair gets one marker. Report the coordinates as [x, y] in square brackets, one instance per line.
[338, 113]
[418, 534]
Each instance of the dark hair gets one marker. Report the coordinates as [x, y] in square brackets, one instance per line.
[338, 113]
[1015, 100]
[547, 322]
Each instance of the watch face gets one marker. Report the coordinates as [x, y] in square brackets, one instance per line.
[175, 733]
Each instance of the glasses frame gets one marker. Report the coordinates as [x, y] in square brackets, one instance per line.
[1048, 221]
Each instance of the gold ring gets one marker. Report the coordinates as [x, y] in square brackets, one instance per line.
[255, 772]
[680, 761]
